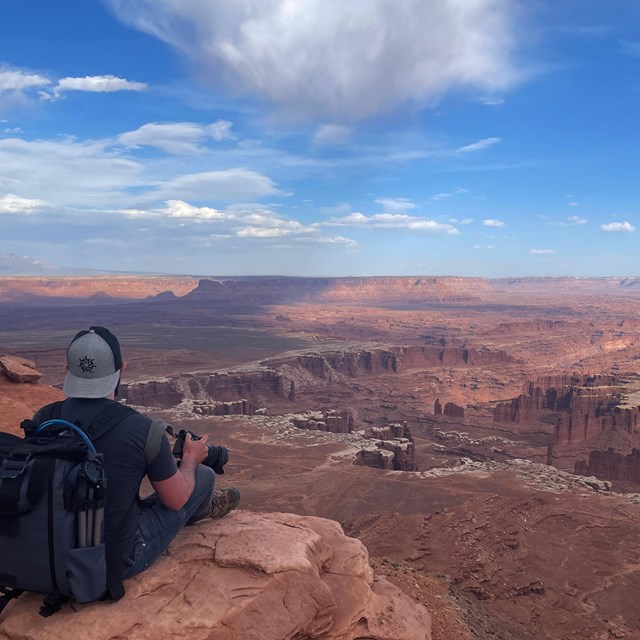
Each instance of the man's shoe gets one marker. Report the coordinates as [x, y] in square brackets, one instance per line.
[224, 501]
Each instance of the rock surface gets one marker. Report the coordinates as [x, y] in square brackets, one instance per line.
[20, 401]
[19, 369]
[248, 576]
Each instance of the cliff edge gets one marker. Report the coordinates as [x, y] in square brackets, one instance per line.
[249, 576]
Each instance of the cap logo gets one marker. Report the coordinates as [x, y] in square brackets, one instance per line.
[87, 364]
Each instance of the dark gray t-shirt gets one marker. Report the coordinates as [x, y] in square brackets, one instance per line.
[122, 448]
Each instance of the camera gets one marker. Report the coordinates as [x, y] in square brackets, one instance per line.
[216, 458]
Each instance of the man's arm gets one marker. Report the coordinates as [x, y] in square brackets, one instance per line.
[176, 490]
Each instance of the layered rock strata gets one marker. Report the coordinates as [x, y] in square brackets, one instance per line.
[340, 290]
[233, 408]
[597, 422]
[271, 576]
[555, 393]
[284, 377]
[392, 448]
[330, 420]
[254, 387]
[453, 410]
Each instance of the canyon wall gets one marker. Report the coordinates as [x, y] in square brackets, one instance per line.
[83, 287]
[610, 465]
[281, 378]
[255, 388]
[597, 422]
[564, 392]
[339, 290]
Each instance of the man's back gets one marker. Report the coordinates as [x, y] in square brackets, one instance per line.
[122, 448]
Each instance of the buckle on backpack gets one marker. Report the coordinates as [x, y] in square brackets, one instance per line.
[12, 467]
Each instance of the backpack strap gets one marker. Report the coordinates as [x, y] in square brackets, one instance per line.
[52, 604]
[107, 419]
[51, 411]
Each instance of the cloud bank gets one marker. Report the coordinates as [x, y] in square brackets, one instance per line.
[392, 221]
[344, 60]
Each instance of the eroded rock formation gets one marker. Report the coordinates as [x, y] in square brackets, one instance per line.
[232, 408]
[453, 410]
[19, 369]
[329, 420]
[610, 465]
[597, 422]
[254, 387]
[283, 377]
[556, 393]
[392, 448]
[249, 576]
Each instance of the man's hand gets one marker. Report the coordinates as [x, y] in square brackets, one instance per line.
[175, 491]
[195, 451]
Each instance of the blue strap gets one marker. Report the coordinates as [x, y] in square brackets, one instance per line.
[73, 427]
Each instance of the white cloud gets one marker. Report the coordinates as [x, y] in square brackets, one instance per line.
[395, 204]
[571, 221]
[67, 172]
[13, 204]
[250, 221]
[621, 227]
[346, 60]
[12, 131]
[98, 84]
[493, 223]
[220, 130]
[180, 209]
[71, 173]
[332, 134]
[463, 221]
[392, 221]
[480, 145]
[176, 137]
[12, 80]
[492, 101]
[449, 194]
[229, 185]
[542, 252]
[573, 204]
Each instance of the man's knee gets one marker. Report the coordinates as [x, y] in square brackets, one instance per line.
[204, 481]
[205, 475]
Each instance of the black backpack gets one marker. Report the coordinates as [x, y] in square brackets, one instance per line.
[52, 495]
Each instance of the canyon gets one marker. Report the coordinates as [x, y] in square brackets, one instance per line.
[480, 437]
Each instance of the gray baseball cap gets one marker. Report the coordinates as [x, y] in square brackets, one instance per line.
[94, 362]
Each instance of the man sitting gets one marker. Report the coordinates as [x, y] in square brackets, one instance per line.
[136, 531]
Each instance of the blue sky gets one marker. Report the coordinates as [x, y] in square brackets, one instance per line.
[322, 137]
